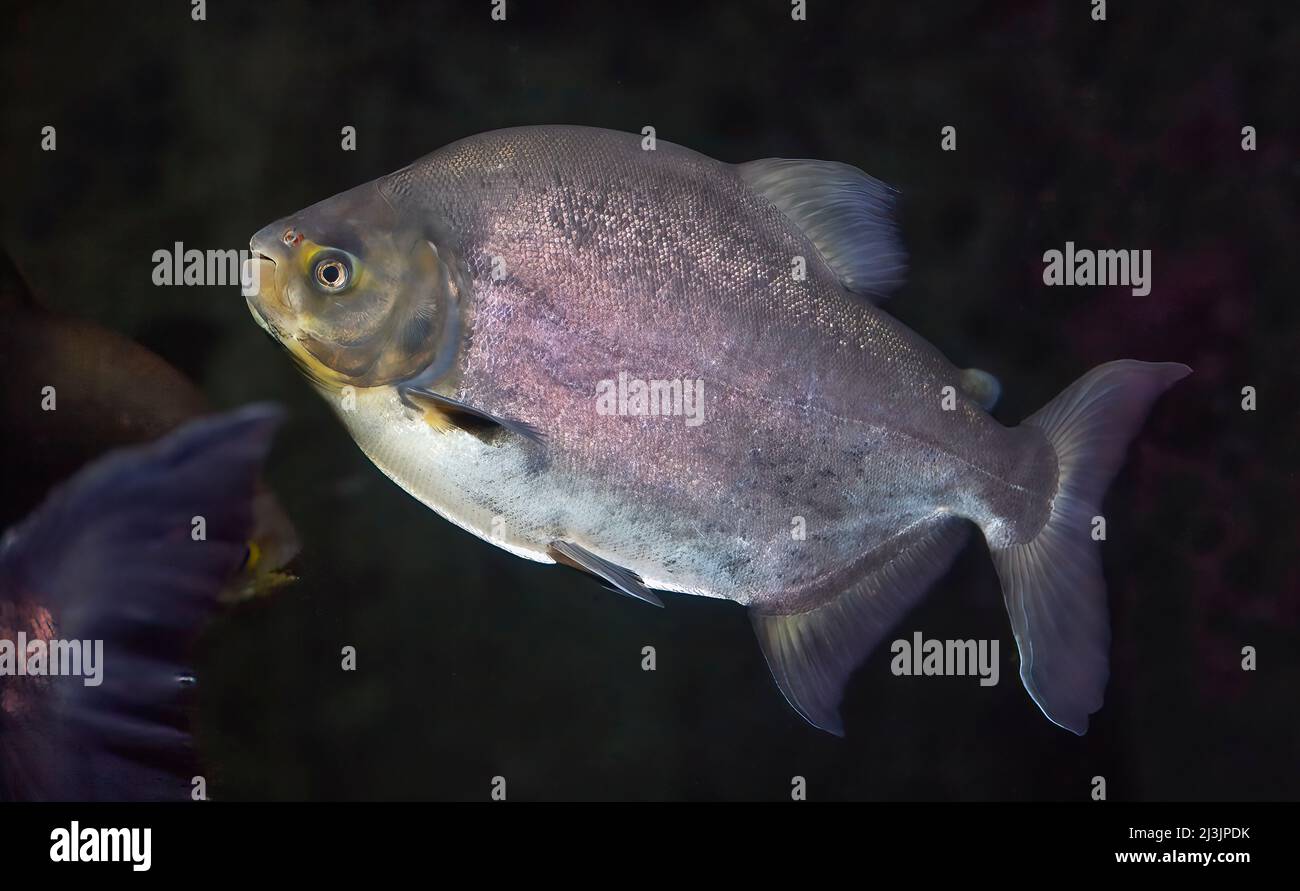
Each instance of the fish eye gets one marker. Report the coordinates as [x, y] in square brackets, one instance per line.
[332, 274]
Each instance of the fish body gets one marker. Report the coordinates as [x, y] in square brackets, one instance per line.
[801, 452]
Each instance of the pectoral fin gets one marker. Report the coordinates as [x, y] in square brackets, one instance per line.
[625, 581]
[442, 413]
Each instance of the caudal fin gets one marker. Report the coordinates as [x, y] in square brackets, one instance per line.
[1053, 584]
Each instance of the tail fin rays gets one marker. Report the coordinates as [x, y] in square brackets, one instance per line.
[1053, 584]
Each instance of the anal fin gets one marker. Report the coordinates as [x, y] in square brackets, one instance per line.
[812, 653]
[624, 581]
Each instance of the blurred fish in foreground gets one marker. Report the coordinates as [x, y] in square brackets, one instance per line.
[108, 577]
[107, 392]
[105, 556]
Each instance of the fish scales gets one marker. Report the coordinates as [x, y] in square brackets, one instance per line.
[472, 316]
[818, 404]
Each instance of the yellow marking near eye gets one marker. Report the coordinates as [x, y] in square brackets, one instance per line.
[307, 252]
[254, 555]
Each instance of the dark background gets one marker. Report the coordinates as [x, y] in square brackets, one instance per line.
[472, 663]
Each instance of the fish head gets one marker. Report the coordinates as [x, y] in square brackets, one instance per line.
[357, 291]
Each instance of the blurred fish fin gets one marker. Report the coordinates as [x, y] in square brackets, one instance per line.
[848, 215]
[1053, 584]
[132, 552]
[811, 654]
[623, 580]
[981, 386]
[442, 413]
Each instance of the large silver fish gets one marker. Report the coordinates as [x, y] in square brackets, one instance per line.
[670, 372]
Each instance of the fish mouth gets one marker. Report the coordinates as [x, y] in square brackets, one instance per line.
[265, 305]
[254, 296]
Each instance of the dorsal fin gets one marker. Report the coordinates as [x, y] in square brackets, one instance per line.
[812, 653]
[848, 215]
